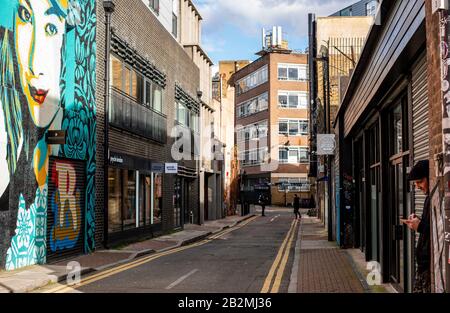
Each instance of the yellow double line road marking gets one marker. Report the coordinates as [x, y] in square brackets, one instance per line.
[133, 264]
[280, 262]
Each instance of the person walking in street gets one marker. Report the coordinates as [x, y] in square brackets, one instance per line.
[262, 201]
[297, 207]
[420, 176]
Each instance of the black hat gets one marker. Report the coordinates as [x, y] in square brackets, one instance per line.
[420, 170]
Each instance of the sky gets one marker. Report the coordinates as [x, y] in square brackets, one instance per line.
[231, 29]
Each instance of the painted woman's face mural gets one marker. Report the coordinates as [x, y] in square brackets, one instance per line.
[39, 31]
[47, 82]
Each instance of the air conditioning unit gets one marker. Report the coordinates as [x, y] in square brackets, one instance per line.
[439, 5]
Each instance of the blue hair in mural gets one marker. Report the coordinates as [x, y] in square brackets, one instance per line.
[47, 73]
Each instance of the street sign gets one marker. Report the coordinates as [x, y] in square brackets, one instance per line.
[326, 144]
[56, 137]
[171, 168]
[157, 168]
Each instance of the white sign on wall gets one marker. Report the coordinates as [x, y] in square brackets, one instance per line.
[171, 168]
[326, 144]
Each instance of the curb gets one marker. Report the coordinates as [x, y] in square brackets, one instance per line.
[293, 281]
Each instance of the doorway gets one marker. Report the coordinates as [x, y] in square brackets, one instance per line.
[399, 195]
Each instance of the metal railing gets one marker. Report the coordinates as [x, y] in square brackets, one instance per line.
[127, 114]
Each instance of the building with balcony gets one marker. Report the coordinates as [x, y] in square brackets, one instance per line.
[150, 120]
[272, 124]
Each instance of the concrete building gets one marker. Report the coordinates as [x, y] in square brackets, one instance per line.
[271, 103]
[338, 43]
[223, 94]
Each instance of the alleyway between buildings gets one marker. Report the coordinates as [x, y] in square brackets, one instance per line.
[248, 254]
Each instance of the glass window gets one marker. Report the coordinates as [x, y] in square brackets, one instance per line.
[293, 100]
[371, 8]
[293, 128]
[148, 94]
[304, 155]
[283, 127]
[283, 100]
[116, 72]
[303, 100]
[263, 102]
[252, 80]
[137, 87]
[174, 25]
[194, 122]
[302, 74]
[293, 73]
[126, 80]
[129, 199]
[157, 202]
[182, 113]
[283, 155]
[304, 127]
[398, 129]
[157, 98]
[115, 189]
[282, 73]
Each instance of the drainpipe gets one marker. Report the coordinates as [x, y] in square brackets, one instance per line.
[108, 6]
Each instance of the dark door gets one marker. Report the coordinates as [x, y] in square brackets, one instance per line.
[66, 208]
[399, 193]
[359, 217]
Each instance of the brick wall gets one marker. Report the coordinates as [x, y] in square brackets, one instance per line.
[133, 22]
[434, 89]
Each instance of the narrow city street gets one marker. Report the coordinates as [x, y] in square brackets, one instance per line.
[244, 259]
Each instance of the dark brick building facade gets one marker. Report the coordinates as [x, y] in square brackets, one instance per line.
[137, 27]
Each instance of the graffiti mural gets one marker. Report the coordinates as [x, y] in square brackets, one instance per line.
[47, 82]
[65, 207]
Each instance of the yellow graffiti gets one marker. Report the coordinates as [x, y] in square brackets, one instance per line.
[41, 172]
[69, 198]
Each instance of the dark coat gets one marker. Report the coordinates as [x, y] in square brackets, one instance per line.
[296, 203]
[423, 250]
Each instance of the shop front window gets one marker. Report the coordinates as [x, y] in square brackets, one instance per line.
[157, 203]
[121, 199]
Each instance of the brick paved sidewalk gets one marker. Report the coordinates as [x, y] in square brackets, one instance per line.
[323, 267]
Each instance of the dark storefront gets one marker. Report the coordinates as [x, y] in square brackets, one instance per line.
[382, 126]
[135, 200]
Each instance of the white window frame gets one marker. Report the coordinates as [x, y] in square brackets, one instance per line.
[251, 81]
[243, 108]
[302, 68]
[290, 121]
[298, 149]
[302, 99]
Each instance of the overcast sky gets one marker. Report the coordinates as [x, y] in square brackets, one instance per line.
[232, 28]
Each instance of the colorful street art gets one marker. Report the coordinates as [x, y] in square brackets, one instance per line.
[65, 206]
[47, 82]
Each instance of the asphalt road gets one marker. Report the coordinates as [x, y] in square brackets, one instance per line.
[239, 261]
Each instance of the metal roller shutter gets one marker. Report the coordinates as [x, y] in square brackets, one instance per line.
[420, 121]
[65, 208]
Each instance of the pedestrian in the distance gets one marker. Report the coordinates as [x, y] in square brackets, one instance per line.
[297, 207]
[420, 176]
[262, 202]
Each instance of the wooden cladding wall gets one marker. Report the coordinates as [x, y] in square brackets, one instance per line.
[397, 30]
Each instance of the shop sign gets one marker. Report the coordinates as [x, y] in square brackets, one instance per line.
[326, 144]
[157, 167]
[116, 159]
[171, 168]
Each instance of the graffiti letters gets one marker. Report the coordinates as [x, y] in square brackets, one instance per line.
[65, 205]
